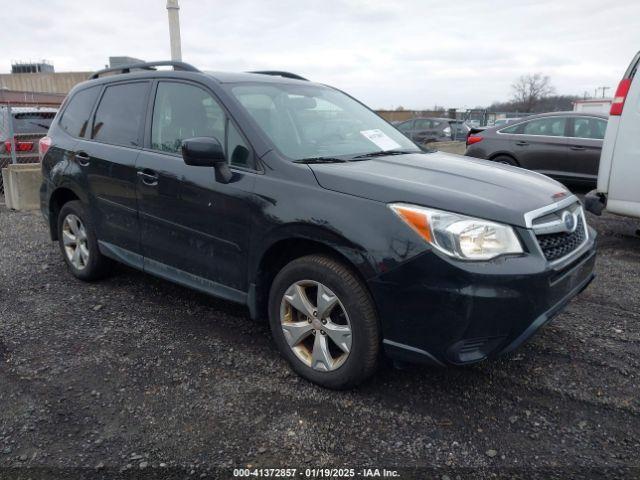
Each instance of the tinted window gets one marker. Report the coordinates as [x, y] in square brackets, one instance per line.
[32, 122]
[512, 129]
[120, 113]
[184, 111]
[423, 124]
[75, 118]
[551, 127]
[588, 127]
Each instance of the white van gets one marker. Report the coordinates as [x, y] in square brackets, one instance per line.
[619, 173]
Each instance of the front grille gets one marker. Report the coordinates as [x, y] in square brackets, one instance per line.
[558, 245]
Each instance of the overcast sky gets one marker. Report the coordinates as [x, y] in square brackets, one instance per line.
[454, 53]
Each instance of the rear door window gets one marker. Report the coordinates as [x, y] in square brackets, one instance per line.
[589, 127]
[549, 127]
[75, 117]
[120, 114]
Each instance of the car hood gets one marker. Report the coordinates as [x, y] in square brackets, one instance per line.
[445, 181]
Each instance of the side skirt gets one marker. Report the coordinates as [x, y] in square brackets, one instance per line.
[172, 274]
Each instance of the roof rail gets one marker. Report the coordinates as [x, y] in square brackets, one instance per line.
[278, 73]
[145, 66]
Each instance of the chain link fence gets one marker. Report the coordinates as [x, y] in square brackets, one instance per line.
[22, 125]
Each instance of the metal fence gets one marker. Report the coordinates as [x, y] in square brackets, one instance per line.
[22, 125]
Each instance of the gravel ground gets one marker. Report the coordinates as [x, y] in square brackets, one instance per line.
[134, 374]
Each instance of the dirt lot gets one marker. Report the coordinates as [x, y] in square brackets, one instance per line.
[134, 374]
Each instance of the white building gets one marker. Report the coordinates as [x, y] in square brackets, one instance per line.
[592, 105]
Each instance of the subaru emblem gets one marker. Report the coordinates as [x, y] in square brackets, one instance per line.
[570, 221]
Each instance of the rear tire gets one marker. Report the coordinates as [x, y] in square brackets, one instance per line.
[332, 335]
[506, 160]
[79, 244]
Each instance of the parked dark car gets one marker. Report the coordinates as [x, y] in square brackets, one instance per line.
[425, 130]
[563, 145]
[26, 123]
[294, 199]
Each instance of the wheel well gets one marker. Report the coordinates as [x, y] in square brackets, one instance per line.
[279, 255]
[493, 157]
[56, 202]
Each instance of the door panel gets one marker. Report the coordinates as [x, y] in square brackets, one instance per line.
[189, 221]
[193, 223]
[541, 145]
[584, 158]
[111, 175]
[109, 160]
[585, 146]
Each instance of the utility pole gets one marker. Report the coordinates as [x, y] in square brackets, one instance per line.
[173, 10]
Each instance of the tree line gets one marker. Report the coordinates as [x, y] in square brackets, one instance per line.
[533, 93]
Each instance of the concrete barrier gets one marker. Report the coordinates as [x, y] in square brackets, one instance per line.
[22, 186]
[450, 147]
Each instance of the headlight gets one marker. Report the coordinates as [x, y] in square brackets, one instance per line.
[459, 236]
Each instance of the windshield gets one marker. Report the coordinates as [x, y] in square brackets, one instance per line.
[312, 122]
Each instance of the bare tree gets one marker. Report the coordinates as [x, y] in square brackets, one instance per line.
[528, 90]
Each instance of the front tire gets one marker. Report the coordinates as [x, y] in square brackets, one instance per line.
[324, 322]
[79, 244]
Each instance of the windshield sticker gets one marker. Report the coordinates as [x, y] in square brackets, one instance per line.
[381, 139]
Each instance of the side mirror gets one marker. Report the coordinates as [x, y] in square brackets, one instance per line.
[202, 152]
[206, 152]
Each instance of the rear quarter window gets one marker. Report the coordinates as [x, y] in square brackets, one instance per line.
[75, 117]
[512, 129]
[589, 127]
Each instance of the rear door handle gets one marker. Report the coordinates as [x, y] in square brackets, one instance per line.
[82, 158]
[578, 148]
[148, 177]
[522, 143]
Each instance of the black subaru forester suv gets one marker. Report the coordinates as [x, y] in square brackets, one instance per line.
[298, 201]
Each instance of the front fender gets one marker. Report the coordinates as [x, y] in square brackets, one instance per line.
[355, 254]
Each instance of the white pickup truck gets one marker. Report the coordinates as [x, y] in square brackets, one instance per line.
[619, 172]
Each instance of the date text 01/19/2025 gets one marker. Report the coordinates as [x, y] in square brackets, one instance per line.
[315, 473]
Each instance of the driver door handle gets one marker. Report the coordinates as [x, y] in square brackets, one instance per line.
[148, 177]
[522, 143]
[577, 148]
[82, 158]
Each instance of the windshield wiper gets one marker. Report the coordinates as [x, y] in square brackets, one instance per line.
[384, 153]
[320, 160]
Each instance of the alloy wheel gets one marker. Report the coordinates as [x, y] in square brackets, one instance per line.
[74, 239]
[316, 325]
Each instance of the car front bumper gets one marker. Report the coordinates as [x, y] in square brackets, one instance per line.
[441, 311]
